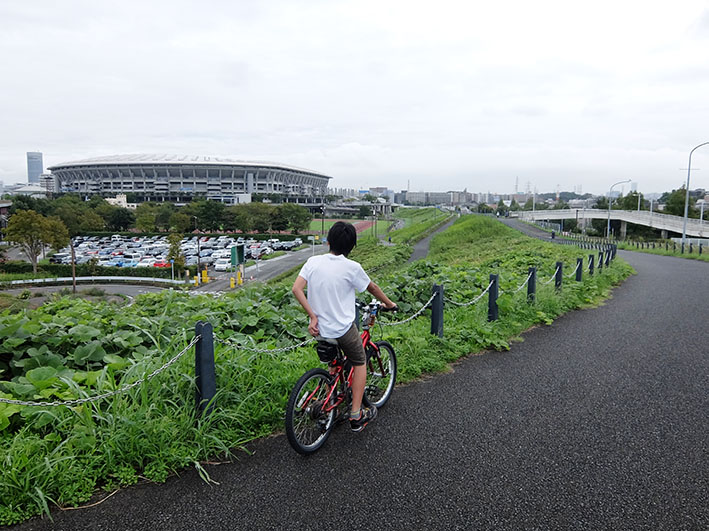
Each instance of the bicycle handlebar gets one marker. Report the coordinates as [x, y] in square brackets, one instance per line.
[375, 304]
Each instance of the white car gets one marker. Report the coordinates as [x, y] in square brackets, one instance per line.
[222, 264]
[146, 262]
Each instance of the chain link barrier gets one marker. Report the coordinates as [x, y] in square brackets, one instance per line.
[475, 300]
[523, 284]
[231, 344]
[414, 316]
[96, 398]
[573, 273]
[552, 278]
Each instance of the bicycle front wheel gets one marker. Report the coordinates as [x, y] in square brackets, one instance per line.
[381, 373]
[307, 424]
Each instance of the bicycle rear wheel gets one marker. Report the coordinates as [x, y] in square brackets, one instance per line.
[307, 425]
[381, 373]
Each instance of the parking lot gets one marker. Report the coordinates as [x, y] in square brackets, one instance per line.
[212, 252]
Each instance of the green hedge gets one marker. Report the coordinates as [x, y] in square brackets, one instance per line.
[85, 270]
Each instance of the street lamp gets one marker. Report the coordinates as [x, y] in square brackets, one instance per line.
[686, 199]
[608, 230]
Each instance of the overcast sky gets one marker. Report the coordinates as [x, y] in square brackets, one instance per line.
[446, 95]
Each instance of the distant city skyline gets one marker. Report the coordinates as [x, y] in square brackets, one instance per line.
[449, 95]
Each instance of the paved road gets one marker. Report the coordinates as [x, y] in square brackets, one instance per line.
[421, 247]
[266, 269]
[598, 421]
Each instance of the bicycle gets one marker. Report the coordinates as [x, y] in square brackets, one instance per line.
[320, 399]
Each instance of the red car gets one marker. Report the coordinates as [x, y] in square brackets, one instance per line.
[161, 264]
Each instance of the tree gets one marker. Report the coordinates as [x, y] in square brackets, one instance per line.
[210, 214]
[25, 202]
[180, 222]
[32, 231]
[601, 203]
[163, 214]
[298, 217]
[674, 204]
[120, 219]
[145, 222]
[175, 252]
[629, 202]
[57, 233]
[279, 220]
[91, 221]
[364, 211]
[514, 206]
[529, 204]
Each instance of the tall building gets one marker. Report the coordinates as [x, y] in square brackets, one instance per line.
[35, 166]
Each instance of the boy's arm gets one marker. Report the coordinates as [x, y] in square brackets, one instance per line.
[379, 294]
[299, 292]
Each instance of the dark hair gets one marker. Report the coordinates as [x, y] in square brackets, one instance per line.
[342, 238]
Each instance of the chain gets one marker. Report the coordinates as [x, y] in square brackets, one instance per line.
[265, 350]
[414, 316]
[79, 401]
[523, 284]
[574, 271]
[476, 299]
[552, 277]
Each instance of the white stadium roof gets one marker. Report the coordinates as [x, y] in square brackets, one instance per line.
[142, 158]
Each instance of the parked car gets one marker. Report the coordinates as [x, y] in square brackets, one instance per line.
[58, 257]
[222, 264]
[161, 264]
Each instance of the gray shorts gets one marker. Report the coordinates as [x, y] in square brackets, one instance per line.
[351, 345]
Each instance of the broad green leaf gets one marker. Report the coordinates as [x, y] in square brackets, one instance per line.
[92, 351]
[42, 377]
[83, 333]
[116, 362]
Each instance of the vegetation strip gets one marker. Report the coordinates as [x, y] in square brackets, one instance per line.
[70, 348]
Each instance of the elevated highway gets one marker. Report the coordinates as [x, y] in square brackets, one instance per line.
[664, 222]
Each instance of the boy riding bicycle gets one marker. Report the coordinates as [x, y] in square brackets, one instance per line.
[332, 280]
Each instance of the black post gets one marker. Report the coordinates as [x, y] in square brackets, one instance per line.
[590, 264]
[492, 310]
[437, 311]
[682, 252]
[700, 247]
[690, 247]
[608, 258]
[600, 261]
[532, 285]
[559, 275]
[205, 376]
[579, 269]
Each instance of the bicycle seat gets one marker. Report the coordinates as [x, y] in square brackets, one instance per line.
[327, 349]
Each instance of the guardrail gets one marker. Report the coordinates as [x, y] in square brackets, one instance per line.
[695, 227]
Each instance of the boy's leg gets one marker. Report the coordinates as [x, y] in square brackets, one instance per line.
[351, 344]
[359, 380]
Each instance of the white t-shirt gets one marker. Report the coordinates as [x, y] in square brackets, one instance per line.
[332, 283]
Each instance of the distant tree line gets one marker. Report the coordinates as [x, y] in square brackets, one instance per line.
[96, 215]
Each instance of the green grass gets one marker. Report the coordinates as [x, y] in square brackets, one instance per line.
[62, 455]
[418, 223]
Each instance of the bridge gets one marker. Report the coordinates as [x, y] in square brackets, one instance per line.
[695, 227]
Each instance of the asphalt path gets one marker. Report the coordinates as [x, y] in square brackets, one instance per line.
[598, 421]
[421, 247]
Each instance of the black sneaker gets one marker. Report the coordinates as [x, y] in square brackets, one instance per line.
[365, 416]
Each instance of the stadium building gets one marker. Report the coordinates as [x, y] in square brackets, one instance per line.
[181, 178]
